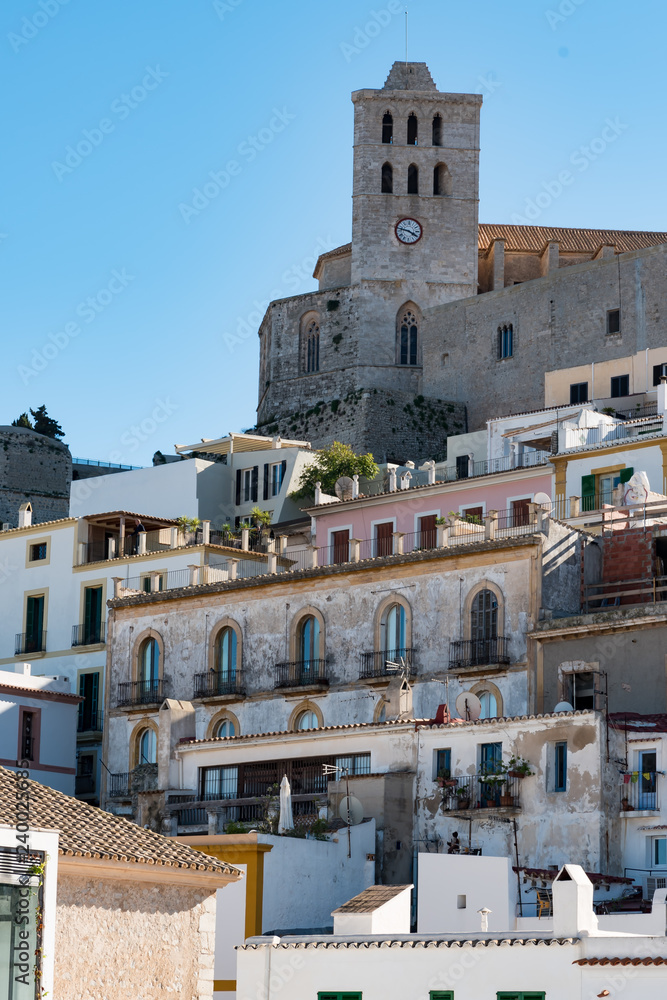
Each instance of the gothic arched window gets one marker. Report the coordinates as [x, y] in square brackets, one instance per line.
[387, 128]
[408, 339]
[310, 343]
[413, 179]
[442, 179]
[412, 130]
[387, 178]
[484, 616]
[437, 131]
[392, 632]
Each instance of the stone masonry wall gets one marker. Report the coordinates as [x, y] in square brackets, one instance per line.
[35, 468]
[122, 939]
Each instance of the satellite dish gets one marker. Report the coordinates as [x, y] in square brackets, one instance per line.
[468, 706]
[564, 706]
[351, 810]
[543, 500]
[344, 488]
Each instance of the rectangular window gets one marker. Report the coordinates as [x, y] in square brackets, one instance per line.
[658, 851]
[27, 746]
[20, 892]
[441, 995]
[490, 756]
[560, 767]
[462, 466]
[520, 996]
[38, 552]
[614, 321]
[34, 624]
[92, 615]
[356, 763]
[339, 996]
[277, 472]
[583, 690]
[473, 514]
[505, 342]
[89, 690]
[658, 372]
[620, 386]
[443, 763]
[579, 392]
[384, 541]
[247, 484]
[218, 783]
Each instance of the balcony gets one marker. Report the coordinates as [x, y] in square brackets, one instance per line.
[90, 722]
[133, 693]
[214, 684]
[386, 663]
[639, 792]
[302, 673]
[119, 785]
[482, 791]
[90, 634]
[29, 642]
[478, 653]
[84, 784]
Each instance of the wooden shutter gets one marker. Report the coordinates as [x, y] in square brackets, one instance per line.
[266, 481]
[283, 469]
[588, 492]
[254, 489]
[238, 487]
[384, 540]
[626, 474]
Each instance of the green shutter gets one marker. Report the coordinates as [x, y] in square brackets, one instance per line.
[441, 995]
[626, 474]
[34, 617]
[588, 492]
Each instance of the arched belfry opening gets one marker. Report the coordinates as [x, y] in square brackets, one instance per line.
[387, 178]
[412, 130]
[387, 127]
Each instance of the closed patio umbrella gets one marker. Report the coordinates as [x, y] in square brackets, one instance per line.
[286, 822]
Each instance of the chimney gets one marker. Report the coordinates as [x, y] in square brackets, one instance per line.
[25, 515]
[573, 903]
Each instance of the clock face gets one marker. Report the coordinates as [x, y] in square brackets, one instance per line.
[408, 231]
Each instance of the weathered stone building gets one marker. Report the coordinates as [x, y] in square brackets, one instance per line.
[35, 469]
[428, 323]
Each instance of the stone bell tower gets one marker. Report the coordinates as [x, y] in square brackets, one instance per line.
[416, 158]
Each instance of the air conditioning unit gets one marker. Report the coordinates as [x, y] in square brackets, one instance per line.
[6, 526]
[652, 883]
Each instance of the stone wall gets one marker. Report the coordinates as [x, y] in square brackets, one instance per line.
[122, 939]
[35, 468]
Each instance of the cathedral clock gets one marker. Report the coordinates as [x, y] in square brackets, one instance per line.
[408, 230]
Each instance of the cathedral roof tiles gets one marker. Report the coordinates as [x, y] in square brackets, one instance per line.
[531, 239]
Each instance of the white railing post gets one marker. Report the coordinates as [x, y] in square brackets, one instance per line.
[141, 548]
[272, 558]
[575, 506]
[442, 535]
[282, 544]
[82, 554]
[392, 479]
[313, 557]
[117, 581]
[398, 542]
[174, 538]
[355, 545]
[193, 575]
[490, 525]
[206, 532]
[112, 548]
[318, 494]
[154, 581]
[233, 568]
[355, 487]
[245, 539]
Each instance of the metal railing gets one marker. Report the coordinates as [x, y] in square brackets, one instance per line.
[29, 642]
[140, 692]
[639, 791]
[90, 722]
[84, 784]
[88, 634]
[599, 596]
[384, 663]
[483, 791]
[103, 465]
[641, 410]
[214, 683]
[584, 437]
[478, 652]
[301, 672]
[119, 785]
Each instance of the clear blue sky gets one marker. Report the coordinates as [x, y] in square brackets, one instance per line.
[183, 87]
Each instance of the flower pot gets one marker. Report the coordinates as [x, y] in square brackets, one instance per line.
[516, 774]
[451, 782]
[463, 803]
[507, 801]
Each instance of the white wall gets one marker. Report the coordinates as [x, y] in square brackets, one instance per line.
[445, 880]
[305, 880]
[57, 743]
[646, 459]
[229, 926]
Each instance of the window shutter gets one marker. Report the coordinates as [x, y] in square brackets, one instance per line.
[626, 474]
[283, 469]
[254, 490]
[588, 486]
[266, 481]
[82, 694]
[238, 487]
[94, 693]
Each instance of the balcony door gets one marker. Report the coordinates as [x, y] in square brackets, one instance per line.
[647, 796]
[393, 634]
[92, 615]
[427, 531]
[34, 624]
[340, 544]
[484, 627]
[89, 687]
[384, 542]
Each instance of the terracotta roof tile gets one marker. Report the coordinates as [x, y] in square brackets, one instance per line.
[549, 874]
[89, 832]
[621, 961]
[533, 238]
[405, 941]
[371, 899]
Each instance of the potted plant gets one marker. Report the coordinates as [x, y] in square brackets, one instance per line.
[445, 779]
[463, 795]
[518, 767]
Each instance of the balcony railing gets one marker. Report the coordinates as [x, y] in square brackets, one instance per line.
[90, 722]
[600, 596]
[386, 662]
[483, 791]
[89, 634]
[29, 642]
[639, 791]
[84, 784]
[119, 785]
[478, 652]
[214, 683]
[140, 692]
[301, 673]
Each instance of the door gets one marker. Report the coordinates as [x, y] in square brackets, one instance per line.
[92, 615]
[383, 539]
[340, 546]
[427, 531]
[648, 798]
[520, 512]
[89, 685]
[34, 624]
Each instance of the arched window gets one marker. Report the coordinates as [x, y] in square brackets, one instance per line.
[437, 131]
[489, 705]
[149, 669]
[225, 653]
[412, 130]
[484, 616]
[147, 747]
[309, 641]
[408, 339]
[307, 720]
[310, 343]
[442, 180]
[225, 728]
[387, 128]
[387, 178]
[413, 179]
[505, 341]
[392, 634]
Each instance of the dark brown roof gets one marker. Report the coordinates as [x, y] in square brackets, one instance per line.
[549, 874]
[634, 722]
[621, 961]
[89, 832]
[533, 238]
[371, 899]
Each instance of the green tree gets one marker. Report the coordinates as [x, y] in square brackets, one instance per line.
[22, 421]
[330, 464]
[45, 425]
